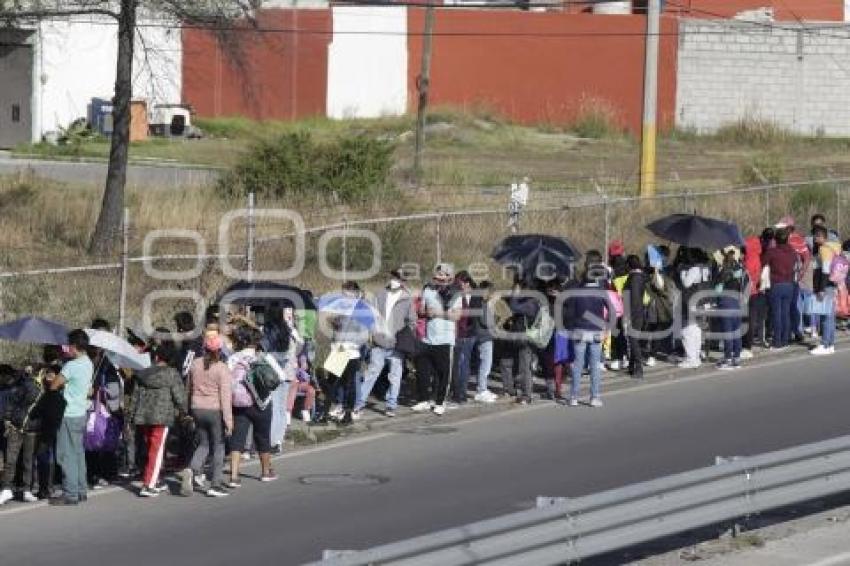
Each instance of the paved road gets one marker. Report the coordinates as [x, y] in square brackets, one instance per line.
[86, 173]
[490, 466]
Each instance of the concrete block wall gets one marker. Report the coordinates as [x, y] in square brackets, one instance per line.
[796, 76]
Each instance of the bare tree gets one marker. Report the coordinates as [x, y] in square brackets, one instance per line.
[215, 14]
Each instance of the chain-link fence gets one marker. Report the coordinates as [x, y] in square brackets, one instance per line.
[273, 243]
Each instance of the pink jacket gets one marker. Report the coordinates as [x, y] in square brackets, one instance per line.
[212, 389]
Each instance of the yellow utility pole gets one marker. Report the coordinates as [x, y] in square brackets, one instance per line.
[650, 100]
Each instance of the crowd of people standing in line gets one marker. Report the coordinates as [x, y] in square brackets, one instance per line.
[233, 389]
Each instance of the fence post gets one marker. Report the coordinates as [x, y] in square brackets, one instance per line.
[125, 253]
[439, 238]
[345, 250]
[607, 210]
[249, 244]
[838, 208]
[767, 206]
[686, 201]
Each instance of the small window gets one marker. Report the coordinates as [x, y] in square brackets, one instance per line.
[16, 113]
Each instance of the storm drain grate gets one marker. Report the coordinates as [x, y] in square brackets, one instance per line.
[343, 479]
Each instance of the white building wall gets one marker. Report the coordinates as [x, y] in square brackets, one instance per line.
[733, 70]
[367, 72]
[76, 59]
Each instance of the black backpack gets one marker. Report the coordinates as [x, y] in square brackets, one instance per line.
[263, 379]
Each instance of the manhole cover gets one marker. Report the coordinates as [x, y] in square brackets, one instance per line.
[428, 430]
[343, 479]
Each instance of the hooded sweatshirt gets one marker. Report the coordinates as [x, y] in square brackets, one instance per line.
[159, 396]
[752, 262]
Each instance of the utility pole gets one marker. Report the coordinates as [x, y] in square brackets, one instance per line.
[423, 83]
[650, 100]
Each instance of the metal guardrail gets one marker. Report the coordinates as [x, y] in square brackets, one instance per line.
[579, 528]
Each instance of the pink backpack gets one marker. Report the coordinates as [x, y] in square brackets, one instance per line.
[241, 396]
[838, 269]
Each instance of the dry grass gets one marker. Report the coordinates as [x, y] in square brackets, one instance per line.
[468, 165]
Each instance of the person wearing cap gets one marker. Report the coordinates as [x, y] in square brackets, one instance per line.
[615, 249]
[434, 362]
[394, 306]
[210, 396]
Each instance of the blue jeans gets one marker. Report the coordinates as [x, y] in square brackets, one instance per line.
[378, 358]
[588, 349]
[71, 456]
[781, 296]
[828, 320]
[485, 364]
[279, 397]
[731, 328]
[797, 311]
[463, 362]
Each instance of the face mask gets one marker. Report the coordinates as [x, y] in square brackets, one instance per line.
[395, 284]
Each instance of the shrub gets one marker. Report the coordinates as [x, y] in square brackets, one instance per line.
[763, 169]
[753, 131]
[596, 119]
[809, 199]
[350, 168]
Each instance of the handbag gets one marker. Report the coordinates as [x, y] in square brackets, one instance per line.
[406, 342]
[103, 430]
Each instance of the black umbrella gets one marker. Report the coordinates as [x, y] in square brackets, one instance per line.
[263, 293]
[34, 330]
[697, 231]
[537, 254]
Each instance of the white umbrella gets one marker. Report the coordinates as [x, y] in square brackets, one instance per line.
[120, 352]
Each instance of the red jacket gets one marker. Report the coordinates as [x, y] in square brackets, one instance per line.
[752, 262]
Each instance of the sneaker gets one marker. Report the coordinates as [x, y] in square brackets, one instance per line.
[269, 477]
[439, 410]
[491, 397]
[614, 365]
[28, 497]
[6, 496]
[650, 362]
[305, 416]
[724, 365]
[736, 364]
[451, 405]
[822, 350]
[233, 484]
[200, 481]
[596, 402]
[148, 492]
[160, 487]
[100, 484]
[484, 397]
[746, 354]
[421, 406]
[688, 365]
[356, 415]
[573, 402]
[336, 412]
[246, 456]
[216, 492]
[389, 413]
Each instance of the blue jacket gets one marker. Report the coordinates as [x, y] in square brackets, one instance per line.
[587, 312]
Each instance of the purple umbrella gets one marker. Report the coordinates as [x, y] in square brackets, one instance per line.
[34, 330]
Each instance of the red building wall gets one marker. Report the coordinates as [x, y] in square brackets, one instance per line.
[542, 67]
[266, 72]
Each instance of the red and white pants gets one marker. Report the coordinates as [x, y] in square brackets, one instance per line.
[154, 436]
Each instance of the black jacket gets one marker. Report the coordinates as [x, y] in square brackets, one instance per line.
[633, 292]
[21, 397]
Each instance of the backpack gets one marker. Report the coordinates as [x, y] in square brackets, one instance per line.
[541, 331]
[838, 269]
[263, 379]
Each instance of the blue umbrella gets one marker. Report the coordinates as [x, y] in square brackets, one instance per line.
[352, 307]
[34, 330]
